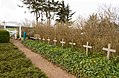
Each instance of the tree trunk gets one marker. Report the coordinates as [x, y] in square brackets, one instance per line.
[36, 19]
[49, 19]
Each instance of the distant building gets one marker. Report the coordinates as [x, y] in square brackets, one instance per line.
[9, 25]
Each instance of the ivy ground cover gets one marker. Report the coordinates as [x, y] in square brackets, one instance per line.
[14, 64]
[76, 62]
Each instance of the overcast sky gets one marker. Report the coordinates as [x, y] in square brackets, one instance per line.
[9, 11]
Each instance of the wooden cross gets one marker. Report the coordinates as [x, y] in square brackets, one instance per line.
[109, 50]
[39, 38]
[36, 38]
[87, 47]
[62, 42]
[72, 43]
[33, 38]
[48, 40]
[43, 39]
[55, 41]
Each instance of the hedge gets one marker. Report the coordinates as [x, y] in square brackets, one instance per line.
[4, 36]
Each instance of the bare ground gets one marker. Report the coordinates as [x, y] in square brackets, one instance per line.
[51, 70]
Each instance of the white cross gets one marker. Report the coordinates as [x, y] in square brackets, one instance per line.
[48, 40]
[109, 50]
[62, 42]
[72, 43]
[87, 47]
[33, 38]
[39, 38]
[36, 38]
[55, 41]
[43, 39]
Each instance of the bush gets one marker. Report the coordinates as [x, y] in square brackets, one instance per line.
[4, 36]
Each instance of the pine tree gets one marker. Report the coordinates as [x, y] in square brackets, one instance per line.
[50, 9]
[64, 13]
[35, 6]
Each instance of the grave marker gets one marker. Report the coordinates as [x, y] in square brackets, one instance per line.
[55, 41]
[72, 43]
[109, 50]
[39, 38]
[62, 42]
[87, 47]
[43, 39]
[48, 40]
[36, 38]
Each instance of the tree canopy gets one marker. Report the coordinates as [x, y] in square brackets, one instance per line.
[49, 9]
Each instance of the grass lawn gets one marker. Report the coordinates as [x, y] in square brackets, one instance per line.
[14, 64]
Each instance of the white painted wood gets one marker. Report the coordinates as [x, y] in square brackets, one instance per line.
[109, 50]
[43, 39]
[62, 42]
[72, 44]
[55, 41]
[87, 47]
[39, 38]
[36, 38]
[48, 40]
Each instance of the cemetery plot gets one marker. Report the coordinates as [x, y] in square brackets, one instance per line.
[13, 64]
[76, 62]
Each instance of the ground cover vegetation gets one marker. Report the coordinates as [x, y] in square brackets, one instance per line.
[76, 62]
[14, 64]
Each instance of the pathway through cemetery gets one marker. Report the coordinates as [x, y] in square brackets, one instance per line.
[48, 68]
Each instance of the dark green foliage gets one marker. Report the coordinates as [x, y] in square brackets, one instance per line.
[64, 13]
[35, 6]
[13, 64]
[4, 36]
[93, 66]
[49, 9]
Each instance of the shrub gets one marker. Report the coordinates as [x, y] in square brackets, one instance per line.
[4, 36]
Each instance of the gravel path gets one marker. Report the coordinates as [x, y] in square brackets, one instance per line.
[48, 68]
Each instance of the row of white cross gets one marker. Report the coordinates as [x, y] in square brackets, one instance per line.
[55, 41]
[106, 49]
[85, 46]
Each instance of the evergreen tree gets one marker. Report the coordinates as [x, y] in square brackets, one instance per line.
[49, 9]
[35, 6]
[64, 13]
